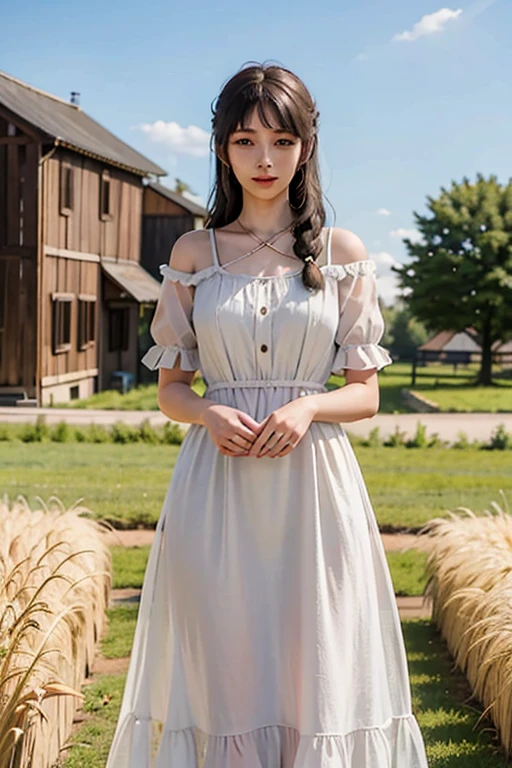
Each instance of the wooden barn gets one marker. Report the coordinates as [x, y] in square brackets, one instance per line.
[461, 347]
[167, 215]
[73, 293]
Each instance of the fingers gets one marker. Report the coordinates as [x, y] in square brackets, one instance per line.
[247, 421]
[270, 443]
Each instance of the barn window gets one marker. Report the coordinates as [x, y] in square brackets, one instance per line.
[86, 321]
[61, 322]
[66, 188]
[106, 196]
[118, 329]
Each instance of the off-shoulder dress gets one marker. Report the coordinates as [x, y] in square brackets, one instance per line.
[268, 634]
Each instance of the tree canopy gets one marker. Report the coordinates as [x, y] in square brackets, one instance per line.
[460, 273]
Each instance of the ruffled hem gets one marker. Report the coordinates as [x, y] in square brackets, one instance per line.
[159, 356]
[360, 357]
[187, 278]
[397, 743]
[353, 268]
[336, 271]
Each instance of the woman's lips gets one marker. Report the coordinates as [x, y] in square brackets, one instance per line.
[265, 182]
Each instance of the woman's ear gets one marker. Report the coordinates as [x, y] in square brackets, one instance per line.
[307, 150]
[221, 157]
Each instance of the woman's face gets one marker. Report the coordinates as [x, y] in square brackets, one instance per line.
[261, 151]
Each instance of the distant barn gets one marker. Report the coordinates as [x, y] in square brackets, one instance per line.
[460, 347]
[166, 216]
[72, 287]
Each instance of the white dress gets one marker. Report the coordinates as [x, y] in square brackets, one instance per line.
[268, 633]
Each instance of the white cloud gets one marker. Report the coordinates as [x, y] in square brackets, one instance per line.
[387, 288]
[412, 234]
[383, 212]
[387, 282]
[184, 141]
[384, 259]
[430, 24]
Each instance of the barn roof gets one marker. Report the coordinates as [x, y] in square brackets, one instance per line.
[131, 277]
[66, 124]
[179, 199]
[453, 341]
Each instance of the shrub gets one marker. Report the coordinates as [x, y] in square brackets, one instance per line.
[148, 434]
[374, 439]
[420, 439]
[124, 433]
[462, 442]
[173, 434]
[62, 433]
[501, 440]
[396, 439]
[36, 433]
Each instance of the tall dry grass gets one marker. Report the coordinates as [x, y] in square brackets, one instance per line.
[55, 579]
[469, 568]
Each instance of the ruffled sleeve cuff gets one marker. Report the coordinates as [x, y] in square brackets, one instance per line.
[159, 356]
[360, 357]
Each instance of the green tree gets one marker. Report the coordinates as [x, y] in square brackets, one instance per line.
[404, 333]
[461, 272]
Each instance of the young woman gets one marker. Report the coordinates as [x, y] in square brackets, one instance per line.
[268, 634]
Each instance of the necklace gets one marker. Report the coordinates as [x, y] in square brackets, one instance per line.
[269, 243]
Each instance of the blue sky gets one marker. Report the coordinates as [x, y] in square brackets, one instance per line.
[412, 94]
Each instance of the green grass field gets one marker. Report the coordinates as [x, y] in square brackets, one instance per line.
[451, 390]
[127, 483]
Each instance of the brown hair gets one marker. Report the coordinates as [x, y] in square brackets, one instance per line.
[274, 88]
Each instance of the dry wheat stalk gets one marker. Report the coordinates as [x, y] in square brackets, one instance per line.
[469, 570]
[55, 579]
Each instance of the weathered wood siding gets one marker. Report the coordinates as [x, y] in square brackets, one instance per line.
[83, 229]
[19, 155]
[75, 243]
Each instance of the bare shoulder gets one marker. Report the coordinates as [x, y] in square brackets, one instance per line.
[346, 247]
[191, 250]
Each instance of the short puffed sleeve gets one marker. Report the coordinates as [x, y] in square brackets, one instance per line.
[361, 324]
[171, 327]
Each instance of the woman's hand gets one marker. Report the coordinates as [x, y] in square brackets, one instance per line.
[232, 431]
[284, 429]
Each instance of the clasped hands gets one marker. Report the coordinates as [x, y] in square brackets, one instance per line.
[235, 433]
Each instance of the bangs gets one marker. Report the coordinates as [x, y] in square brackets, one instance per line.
[274, 111]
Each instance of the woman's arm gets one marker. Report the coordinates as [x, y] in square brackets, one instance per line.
[359, 398]
[176, 398]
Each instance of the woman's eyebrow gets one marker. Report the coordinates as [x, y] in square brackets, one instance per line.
[253, 130]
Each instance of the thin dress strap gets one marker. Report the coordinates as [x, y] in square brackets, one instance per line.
[329, 237]
[215, 255]
[216, 260]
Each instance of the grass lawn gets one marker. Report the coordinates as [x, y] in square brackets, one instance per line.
[127, 483]
[451, 390]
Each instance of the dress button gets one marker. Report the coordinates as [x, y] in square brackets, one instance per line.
[263, 310]
[263, 347]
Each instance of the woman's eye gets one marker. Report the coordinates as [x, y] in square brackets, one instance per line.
[288, 142]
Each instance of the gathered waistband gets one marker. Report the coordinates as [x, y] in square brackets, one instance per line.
[267, 383]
